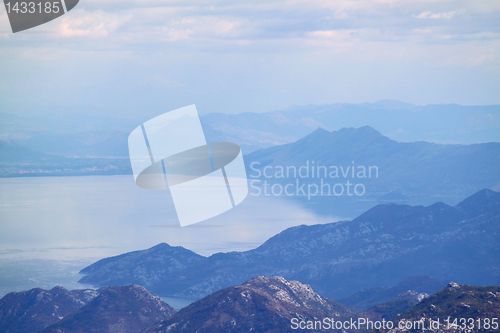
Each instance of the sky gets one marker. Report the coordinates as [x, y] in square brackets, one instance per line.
[137, 58]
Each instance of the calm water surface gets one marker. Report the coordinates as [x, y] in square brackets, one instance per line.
[52, 227]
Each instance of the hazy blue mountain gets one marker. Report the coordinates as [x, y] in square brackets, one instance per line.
[64, 122]
[246, 145]
[127, 309]
[16, 161]
[82, 144]
[262, 304]
[32, 310]
[252, 131]
[394, 197]
[381, 247]
[12, 153]
[416, 169]
[61, 166]
[366, 298]
[83, 135]
[400, 121]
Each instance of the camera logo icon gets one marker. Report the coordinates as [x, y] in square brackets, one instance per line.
[205, 179]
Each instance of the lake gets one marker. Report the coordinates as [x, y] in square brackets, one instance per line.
[52, 227]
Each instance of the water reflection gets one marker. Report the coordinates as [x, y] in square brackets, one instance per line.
[73, 218]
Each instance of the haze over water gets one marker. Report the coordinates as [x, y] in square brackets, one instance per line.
[51, 227]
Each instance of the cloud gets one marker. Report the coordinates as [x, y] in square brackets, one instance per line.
[90, 24]
[261, 53]
[161, 81]
[247, 25]
[431, 15]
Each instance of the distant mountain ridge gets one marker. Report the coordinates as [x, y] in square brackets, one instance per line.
[261, 304]
[82, 144]
[413, 169]
[404, 122]
[83, 136]
[252, 131]
[367, 298]
[19, 161]
[337, 259]
[13, 153]
[393, 307]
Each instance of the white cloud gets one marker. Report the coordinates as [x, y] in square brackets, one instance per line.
[270, 48]
[241, 23]
[161, 81]
[90, 24]
[431, 15]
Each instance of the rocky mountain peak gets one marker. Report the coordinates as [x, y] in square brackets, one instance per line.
[125, 309]
[481, 202]
[292, 292]
[457, 301]
[262, 304]
[32, 310]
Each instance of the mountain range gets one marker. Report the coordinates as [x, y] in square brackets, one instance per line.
[412, 172]
[381, 165]
[98, 144]
[81, 144]
[32, 310]
[476, 305]
[418, 285]
[262, 304]
[381, 247]
[273, 304]
[126, 309]
[16, 161]
[399, 121]
[85, 134]
[393, 307]
[12, 153]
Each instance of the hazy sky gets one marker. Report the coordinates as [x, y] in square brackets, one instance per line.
[143, 57]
